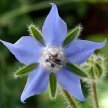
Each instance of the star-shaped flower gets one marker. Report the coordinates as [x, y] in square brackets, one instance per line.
[52, 57]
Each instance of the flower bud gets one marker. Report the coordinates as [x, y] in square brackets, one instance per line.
[94, 67]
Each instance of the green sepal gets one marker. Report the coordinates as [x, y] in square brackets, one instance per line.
[91, 73]
[33, 30]
[53, 84]
[26, 69]
[73, 34]
[75, 69]
[98, 70]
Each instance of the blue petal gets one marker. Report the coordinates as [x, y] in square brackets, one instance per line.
[37, 83]
[71, 83]
[54, 29]
[26, 49]
[78, 51]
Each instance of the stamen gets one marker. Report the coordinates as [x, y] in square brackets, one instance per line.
[55, 55]
[47, 60]
[52, 58]
[52, 65]
[57, 60]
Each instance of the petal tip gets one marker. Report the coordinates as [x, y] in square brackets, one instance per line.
[22, 100]
[53, 4]
[102, 44]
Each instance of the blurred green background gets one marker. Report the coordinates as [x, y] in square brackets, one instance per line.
[15, 15]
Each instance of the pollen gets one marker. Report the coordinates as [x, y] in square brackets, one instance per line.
[53, 58]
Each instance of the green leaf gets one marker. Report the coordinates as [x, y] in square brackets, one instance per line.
[53, 85]
[75, 69]
[33, 30]
[73, 34]
[26, 69]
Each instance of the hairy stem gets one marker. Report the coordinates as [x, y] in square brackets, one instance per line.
[69, 99]
[94, 94]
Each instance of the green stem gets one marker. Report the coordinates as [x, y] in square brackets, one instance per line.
[69, 99]
[94, 94]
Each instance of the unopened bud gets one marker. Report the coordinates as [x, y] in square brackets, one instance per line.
[94, 67]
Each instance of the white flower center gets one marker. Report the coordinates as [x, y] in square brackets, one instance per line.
[52, 58]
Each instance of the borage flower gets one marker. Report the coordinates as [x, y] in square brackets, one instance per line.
[52, 57]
